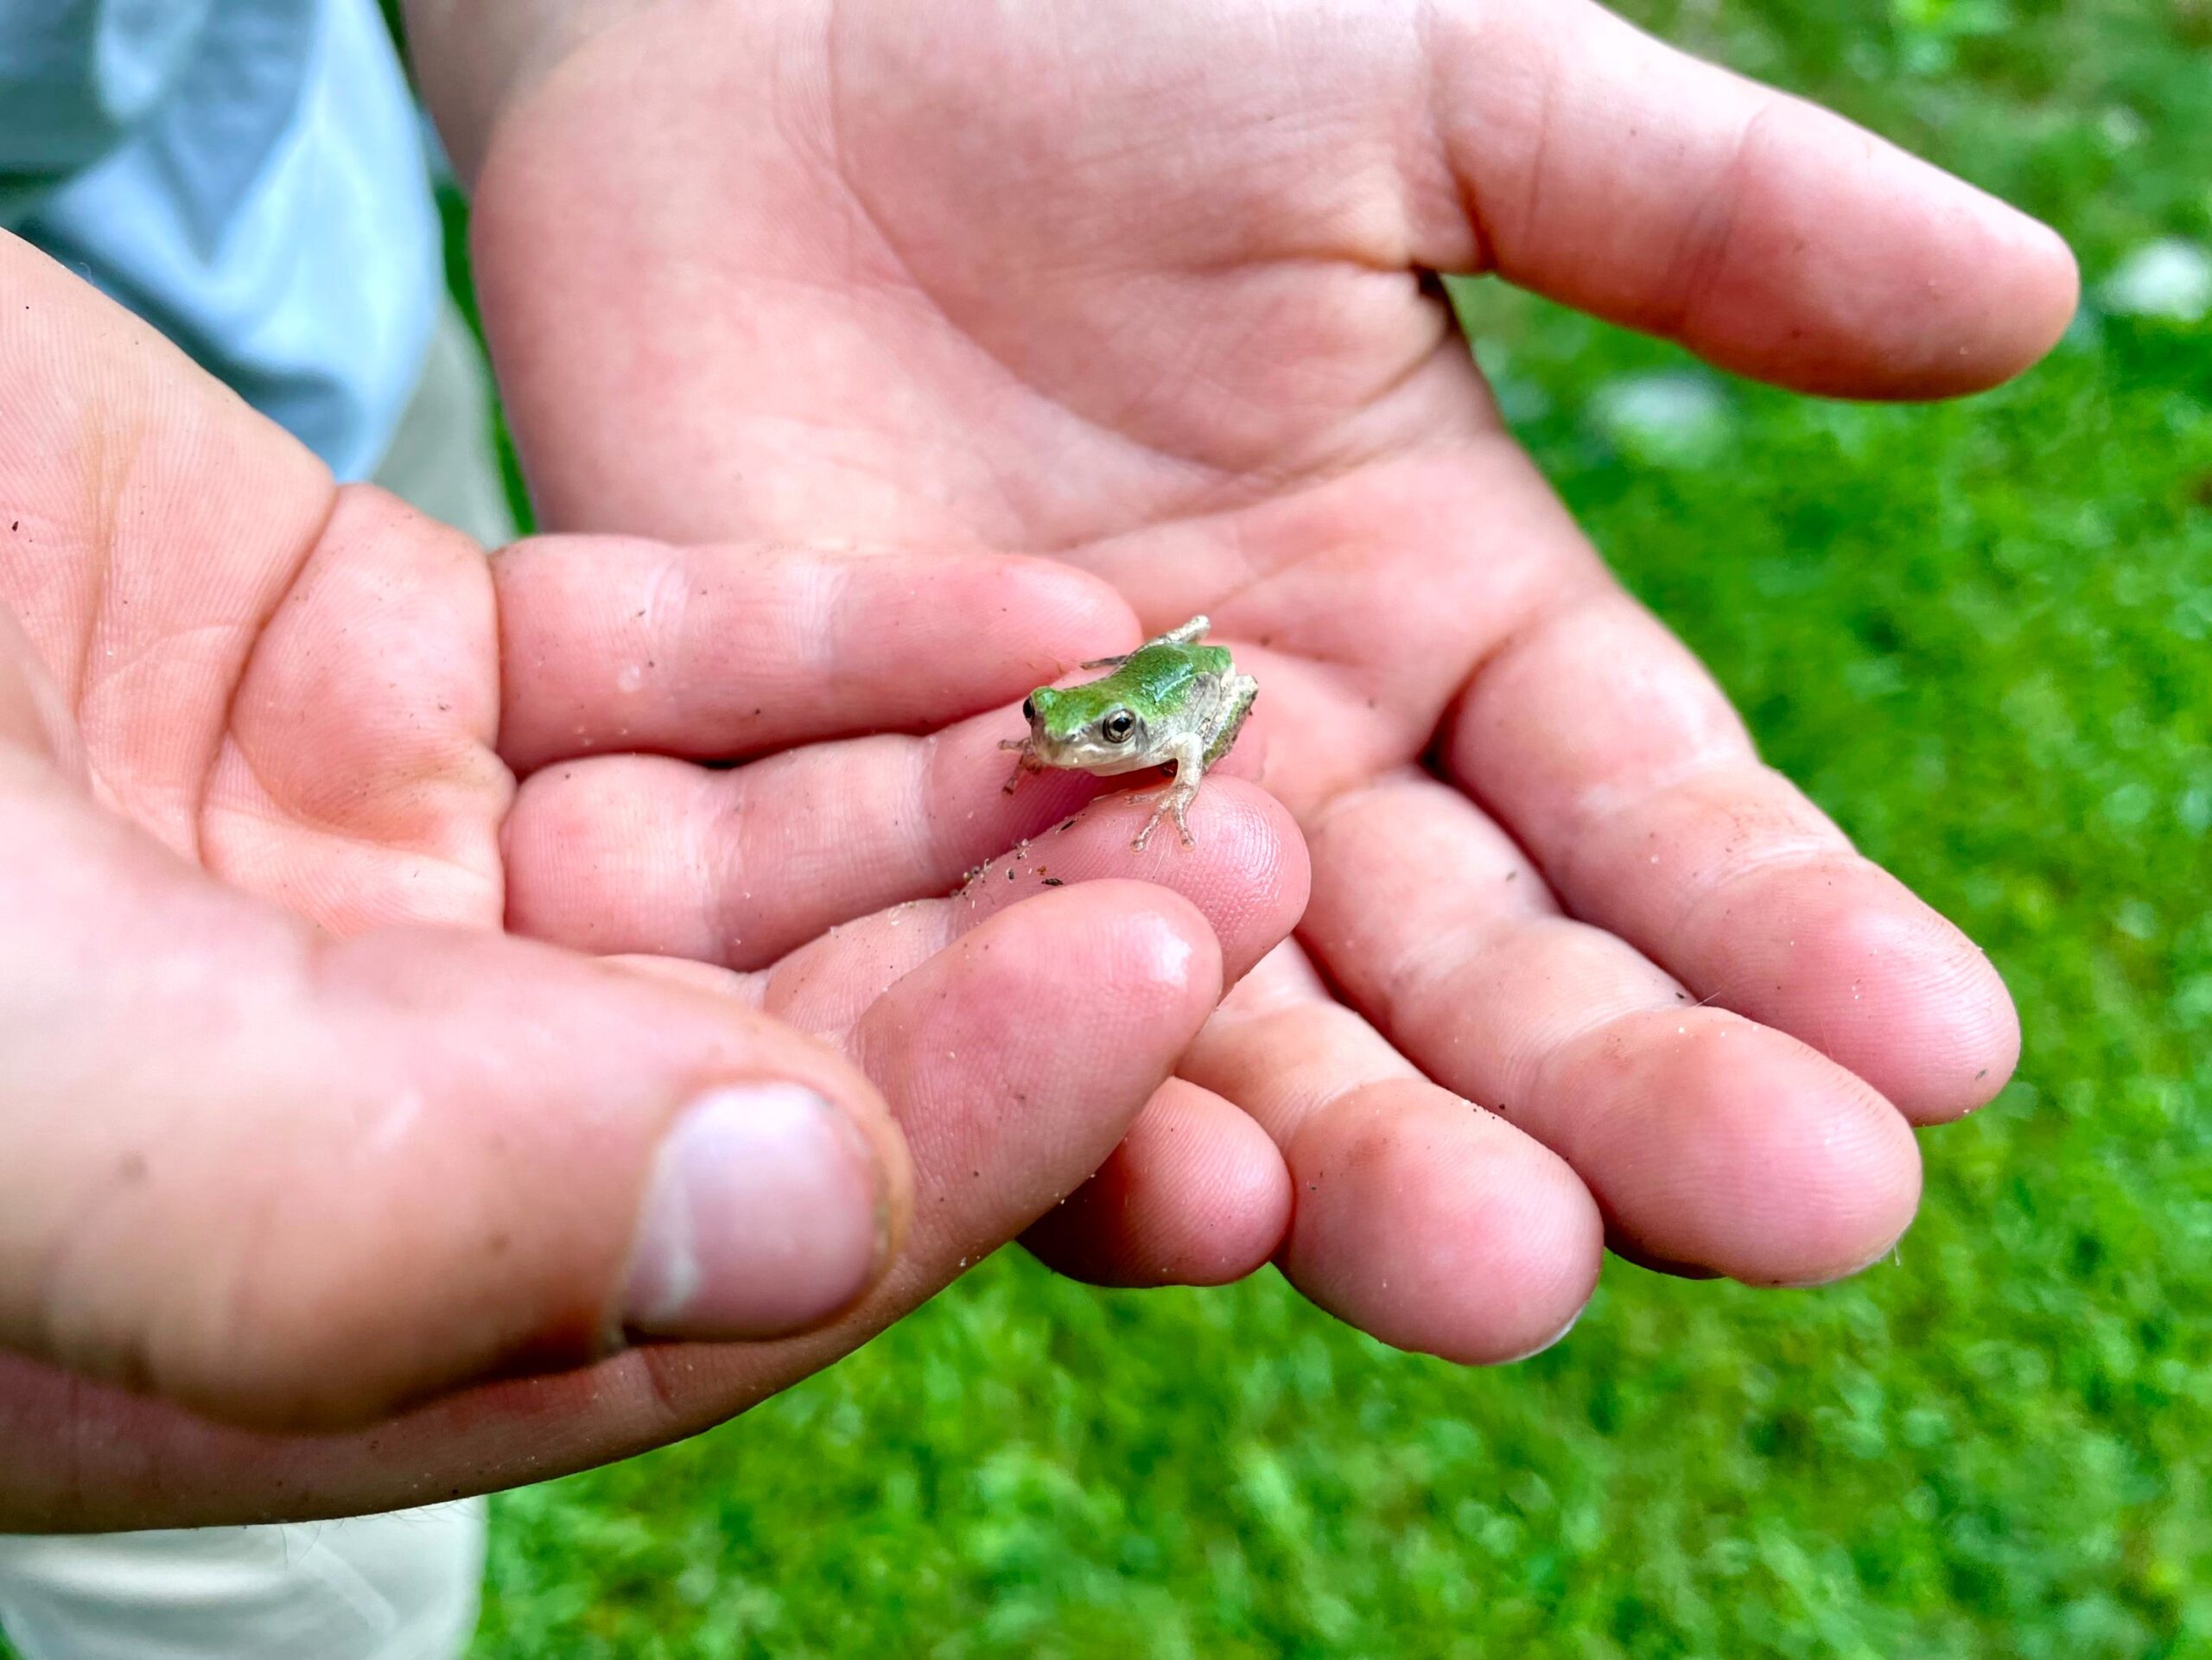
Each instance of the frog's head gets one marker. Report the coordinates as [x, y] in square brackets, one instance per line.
[1083, 727]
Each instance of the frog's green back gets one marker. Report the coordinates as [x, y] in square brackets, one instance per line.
[1159, 675]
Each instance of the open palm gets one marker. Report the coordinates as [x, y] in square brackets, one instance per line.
[292, 1136]
[1142, 288]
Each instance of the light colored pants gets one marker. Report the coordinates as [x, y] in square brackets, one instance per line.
[402, 1587]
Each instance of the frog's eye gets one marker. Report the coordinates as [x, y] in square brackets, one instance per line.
[1029, 708]
[1118, 726]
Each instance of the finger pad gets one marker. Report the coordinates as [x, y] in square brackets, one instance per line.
[604, 856]
[1714, 1141]
[1196, 1194]
[1249, 874]
[1847, 960]
[1041, 1031]
[1438, 1227]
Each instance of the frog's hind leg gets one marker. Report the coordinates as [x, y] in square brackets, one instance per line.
[1189, 632]
[1193, 630]
[1240, 692]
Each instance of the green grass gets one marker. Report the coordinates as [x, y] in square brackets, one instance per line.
[1979, 634]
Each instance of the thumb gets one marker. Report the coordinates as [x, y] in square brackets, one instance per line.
[1578, 156]
[295, 1182]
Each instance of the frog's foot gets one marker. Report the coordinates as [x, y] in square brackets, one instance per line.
[1176, 799]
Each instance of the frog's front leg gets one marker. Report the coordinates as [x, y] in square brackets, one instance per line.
[1176, 799]
[1027, 761]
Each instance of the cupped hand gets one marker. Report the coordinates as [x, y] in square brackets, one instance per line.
[1143, 287]
[293, 1138]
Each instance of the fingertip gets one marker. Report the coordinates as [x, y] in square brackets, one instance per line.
[1249, 874]
[1108, 968]
[1858, 269]
[1850, 961]
[1196, 1194]
[1267, 880]
[1075, 616]
[1438, 1227]
[1020, 1052]
[2049, 276]
[1721, 1143]
[1151, 937]
[1949, 1032]
[2011, 289]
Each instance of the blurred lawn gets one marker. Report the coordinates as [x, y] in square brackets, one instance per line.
[1979, 635]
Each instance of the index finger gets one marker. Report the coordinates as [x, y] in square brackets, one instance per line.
[613, 643]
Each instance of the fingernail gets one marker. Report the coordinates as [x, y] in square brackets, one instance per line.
[765, 1213]
[1551, 1342]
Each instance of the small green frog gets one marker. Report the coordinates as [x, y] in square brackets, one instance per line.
[1172, 701]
